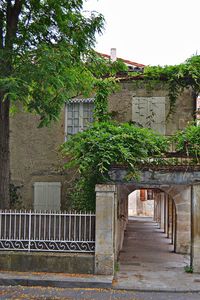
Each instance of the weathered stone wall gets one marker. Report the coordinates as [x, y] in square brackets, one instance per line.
[120, 104]
[121, 219]
[181, 195]
[105, 228]
[47, 262]
[34, 155]
[196, 228]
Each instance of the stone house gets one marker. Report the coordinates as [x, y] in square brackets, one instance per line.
[36, 169]
[35, 160]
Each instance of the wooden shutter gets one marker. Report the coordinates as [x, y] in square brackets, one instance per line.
[47, 195]
[149, 112]
[142, 195]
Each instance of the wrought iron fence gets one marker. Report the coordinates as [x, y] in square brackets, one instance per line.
[47, 231]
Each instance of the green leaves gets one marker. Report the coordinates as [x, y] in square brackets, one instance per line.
[104, 144]
[178, 77]
[187, 141]
[43, 61]
[103, 88]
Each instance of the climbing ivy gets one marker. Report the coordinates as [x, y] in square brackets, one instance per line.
[105, 73]
[177, 78]
[104, 88]
[93, 151]
[105, 143]
[187, 141]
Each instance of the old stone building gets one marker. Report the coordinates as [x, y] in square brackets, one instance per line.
[35, 159]
[36, 167]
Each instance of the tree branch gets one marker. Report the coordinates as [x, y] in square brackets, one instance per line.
[12, 18]
[1, 28]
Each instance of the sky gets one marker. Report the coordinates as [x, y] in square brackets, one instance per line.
[150, 32]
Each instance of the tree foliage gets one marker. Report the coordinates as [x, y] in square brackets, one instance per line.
[93, 151]
[43, 44]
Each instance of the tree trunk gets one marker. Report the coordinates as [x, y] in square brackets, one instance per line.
[4, 153]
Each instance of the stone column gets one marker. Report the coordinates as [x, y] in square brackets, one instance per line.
[105, 215]
[181, 195]
[170, 204]
[154, 210]
[157, 208]
[196, 228]
[183, 220]
[162, 211]
[166, 213]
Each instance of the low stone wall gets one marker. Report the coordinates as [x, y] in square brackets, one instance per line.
[47, 262]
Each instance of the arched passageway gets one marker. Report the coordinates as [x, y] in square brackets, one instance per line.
[171, 211]
[183, 188]
[150, 241]
[147, 259]
[159, 207]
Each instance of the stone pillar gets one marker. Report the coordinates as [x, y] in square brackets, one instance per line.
[166, 213]
[181, 195]
[170, 204]
[157, 208]
[162, 211]
[196, 228]
[183, 221]
[105, 217]
[154, 210]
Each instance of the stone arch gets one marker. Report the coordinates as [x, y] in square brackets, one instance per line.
[186, 198]
[181, 195]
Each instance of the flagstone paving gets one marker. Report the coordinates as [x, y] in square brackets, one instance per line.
[147, 261]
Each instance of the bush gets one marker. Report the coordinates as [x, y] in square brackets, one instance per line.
[95, 150]
[188, 141]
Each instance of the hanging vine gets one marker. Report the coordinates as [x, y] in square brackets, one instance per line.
[177, 78]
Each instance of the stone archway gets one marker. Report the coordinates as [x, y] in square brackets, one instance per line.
[187, 200]
[181, 194]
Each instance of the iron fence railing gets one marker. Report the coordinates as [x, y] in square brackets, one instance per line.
[47, 231]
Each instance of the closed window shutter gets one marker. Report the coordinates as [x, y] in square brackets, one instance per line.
[149, 112]
[47, 195]
[142, 195]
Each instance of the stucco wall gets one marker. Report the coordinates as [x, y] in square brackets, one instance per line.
[34, 156]
[81, 263]
[120, 104]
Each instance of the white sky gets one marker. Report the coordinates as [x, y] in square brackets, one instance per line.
[151, 32]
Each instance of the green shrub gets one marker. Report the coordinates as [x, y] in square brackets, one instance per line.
[95, 150]
[188, 141]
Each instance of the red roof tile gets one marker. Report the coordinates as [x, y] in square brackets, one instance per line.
[124, 60]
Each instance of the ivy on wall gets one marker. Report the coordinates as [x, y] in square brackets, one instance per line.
[106, 143]
[93, 151]
[177, 78]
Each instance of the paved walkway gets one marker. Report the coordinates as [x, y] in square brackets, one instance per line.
[147, 261]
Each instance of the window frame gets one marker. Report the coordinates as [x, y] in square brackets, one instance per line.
[81, 125]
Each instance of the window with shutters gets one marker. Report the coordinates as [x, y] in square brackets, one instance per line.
[149, 112]
[47, 195]
[78, 115]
